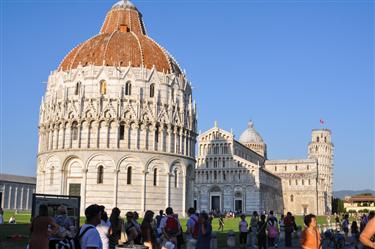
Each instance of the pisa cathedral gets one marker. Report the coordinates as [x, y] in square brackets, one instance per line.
[117, 126]
[233, 175]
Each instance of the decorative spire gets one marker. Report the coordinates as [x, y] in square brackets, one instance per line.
[250, 124]
[215, 124]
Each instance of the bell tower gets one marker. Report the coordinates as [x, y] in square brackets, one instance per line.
[321, 149]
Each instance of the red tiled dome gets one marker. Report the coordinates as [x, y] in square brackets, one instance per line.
[122, 41]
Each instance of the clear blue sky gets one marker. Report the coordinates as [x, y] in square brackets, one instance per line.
[284, 64]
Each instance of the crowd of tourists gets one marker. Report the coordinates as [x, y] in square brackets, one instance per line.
[164, 231]
[266, 231]
[103, 232]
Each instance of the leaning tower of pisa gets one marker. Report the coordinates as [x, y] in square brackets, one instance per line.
[321, 149]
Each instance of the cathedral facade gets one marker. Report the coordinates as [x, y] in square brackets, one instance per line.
[118, 123]
[237, 176]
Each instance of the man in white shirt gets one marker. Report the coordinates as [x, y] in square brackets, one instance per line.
[91, 238]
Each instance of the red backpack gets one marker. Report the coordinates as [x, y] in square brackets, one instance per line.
[196, 228]
[171, 226]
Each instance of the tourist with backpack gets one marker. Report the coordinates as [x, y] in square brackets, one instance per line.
[170, 227]
[272, 231]
[89, 236]
[192, 227]
[204, 232]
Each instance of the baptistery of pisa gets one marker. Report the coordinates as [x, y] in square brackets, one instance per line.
[118, 123]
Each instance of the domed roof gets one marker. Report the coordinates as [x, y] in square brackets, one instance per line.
[250, 135]
[122, 41]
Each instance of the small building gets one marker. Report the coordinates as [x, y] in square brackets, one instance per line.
[359, 203]
[16, 192]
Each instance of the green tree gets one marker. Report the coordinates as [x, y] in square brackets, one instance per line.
[338, 206]
[363, 194]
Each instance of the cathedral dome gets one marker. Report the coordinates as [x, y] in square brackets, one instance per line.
[122, 42]
[250, 135]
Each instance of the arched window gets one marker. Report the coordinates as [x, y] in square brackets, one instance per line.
[291, 198]
[129, 176]
[74, 130]
[103, 87]
[224, 176]
[317, 139]
[175, 178]
[78, 88]
[128, 88]
[206, 163]
[309, 182]
[285, 168]
[215, 175]
[155, 176]
[316, 148]
[215, 163]
[122, 131]
[275, 168]
[303, 182]
[52, 175]
[325, 139]
[296, 182]
[290, 182]
[308, 167]
[152, 90]
[223, 162]
[296, 167]
[207, 176]
[99, 177]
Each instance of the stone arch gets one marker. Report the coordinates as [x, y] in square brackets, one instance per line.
[177, 164]
[150, 165]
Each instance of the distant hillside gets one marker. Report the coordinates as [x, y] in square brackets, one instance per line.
[342, 193]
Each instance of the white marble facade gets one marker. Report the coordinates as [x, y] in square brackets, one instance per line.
[119, 135]
[236, 175]
[231, 177]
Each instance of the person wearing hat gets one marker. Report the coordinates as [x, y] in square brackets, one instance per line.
[90, 238]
